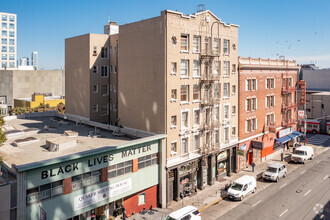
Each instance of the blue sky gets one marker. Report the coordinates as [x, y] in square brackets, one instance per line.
[296, 29]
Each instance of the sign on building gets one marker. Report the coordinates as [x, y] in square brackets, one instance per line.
[272, 126]
[301, 114]
[302, 85]
[240, 152]
[259, 145]
[285, 132]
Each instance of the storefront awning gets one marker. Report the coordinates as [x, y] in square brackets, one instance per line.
[294, 134]
[284, 139]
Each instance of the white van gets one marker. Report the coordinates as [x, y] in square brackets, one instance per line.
[187, 212]
[242, 187]
[302, 153]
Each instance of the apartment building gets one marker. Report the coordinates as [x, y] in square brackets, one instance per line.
[8, 42]
[91, 60]
[178, 76]
[267, 107]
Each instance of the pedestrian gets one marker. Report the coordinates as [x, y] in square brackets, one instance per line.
[253, 164]
[124, 213]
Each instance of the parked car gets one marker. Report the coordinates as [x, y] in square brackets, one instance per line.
[302, 153]
[274, 172]
[242, 187]
[187, 212]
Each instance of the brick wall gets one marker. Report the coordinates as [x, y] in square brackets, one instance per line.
[67, 186]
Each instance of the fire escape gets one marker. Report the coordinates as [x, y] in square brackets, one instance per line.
[209, 53]
[289, 102]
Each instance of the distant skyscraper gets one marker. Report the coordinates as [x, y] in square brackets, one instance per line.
[8, 40]
[34, 59]
[24, 61]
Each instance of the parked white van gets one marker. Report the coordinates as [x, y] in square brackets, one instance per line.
[187, 212]
[242, 187]
[302, 153]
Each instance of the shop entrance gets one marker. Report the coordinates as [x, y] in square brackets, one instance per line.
[250, 157]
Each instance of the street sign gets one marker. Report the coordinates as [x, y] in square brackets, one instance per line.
[301, 114]
[272, 127]
[302, 85]
[240, 152]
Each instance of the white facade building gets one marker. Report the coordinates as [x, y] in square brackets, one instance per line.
[8, 43]
[34, 60]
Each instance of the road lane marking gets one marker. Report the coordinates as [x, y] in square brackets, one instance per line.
[283, 212]
[283, 185]
[308, 192]
[303, 172]
[318, 162]
[256, 203]
[325, 177]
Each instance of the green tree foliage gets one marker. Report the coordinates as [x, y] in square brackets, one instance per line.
[2, 134]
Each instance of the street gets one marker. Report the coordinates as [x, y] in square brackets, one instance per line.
[303, 194]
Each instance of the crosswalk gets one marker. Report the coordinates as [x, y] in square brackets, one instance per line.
[319, 139]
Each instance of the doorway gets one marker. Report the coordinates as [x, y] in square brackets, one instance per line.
[250, 157]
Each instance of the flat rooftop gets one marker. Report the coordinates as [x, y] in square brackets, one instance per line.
[53, 128]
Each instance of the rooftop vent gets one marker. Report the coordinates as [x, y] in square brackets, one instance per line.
[70, 133]
[60, 143]
[24, 141]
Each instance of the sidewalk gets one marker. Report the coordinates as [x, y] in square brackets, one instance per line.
[212, 193]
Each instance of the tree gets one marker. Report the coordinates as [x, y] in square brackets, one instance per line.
[2, 134]
[61, 107]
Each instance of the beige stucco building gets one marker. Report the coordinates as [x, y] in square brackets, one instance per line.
[175, 74]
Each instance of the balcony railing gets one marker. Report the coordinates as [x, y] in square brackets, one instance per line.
[287, 89]
[288, 123]
[286, 106]
[210, 53]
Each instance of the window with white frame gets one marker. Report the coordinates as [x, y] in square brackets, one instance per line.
[184, 120]
[233, 110]
[248, 105]
[272, 83]
[207, 115]
[270, 101]
[95, 88]
[216, 94]
[226, 133]
[233, 89]
[226, 90]
[254, 104]
[207, 45]
[184, 68]
[253, 124]
[173, 121]
[197, 114]
[94, 69]
[196, 44]
[197, 68]
[254, 84]
[216, 67]
[248, 85]
[173, 95]
[226, 111]
[104, 90]
[104, 71]
[173, 68]
[216, 46]
[290, 82]
[197, 142]
[226, 47]
[269, 118]
[184, 42]
[233, 131]
[216, 113]
[216, 136]
[233, 69]
[174, 149]
[196, 92]
[184, 93]
[104, 52]
[184, 145]
[225, 68]
[142, 199]
[95, 108]
[248, 125]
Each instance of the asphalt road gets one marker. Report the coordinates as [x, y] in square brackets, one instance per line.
[303, 194]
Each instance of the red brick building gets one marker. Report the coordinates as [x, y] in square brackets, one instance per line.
[267, 106]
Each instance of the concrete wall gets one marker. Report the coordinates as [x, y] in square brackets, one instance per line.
[317, 79]
[142, 75]
[23, 83]
[5, 201]
[77, 75]
[314, 103]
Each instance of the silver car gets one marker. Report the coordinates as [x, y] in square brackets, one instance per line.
[275, 172]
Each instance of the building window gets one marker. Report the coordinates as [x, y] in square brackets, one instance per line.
[253, 124]
[207, 45]
[269, 118]
[226, 133]
[226, 90]
[226, 68]
[233, 69]
[174, 147]
[184, 42]
[173, 95]
[4, 17]
[104, 90]
[4, 33]
[197, 117]
[11, 18]
[4, 57]
[95, 88]
[184, 120]
[142, 199]
[216, 42]
[270, 101]
[216, 113]
[11, 49]
[43, 192]
[233, 89]
[11, 57]
[184, 93]
[197, 68]
[226, 111]
[184, 145]
[173, 121]
[3, 49]
[147, 161]
[3, 40]
[248, 105]
[11, 26]
[216, 136]
[197, 142]
[3, 64]
[233, 131]
[104, 109]
[226, 47]
[94, 51]
[196, 44]
[95, 108]
[11, 34]
[104, 71]
[216, 94]
[104, 52]
[196, 92]
[233, 110]
[254, 104]
[173, 68]
[248, 125]
[4, 25]
[216, 68]
[254, 84]
[248, 85]
[290, 82]
[94, 69]
[120, 169]
[272, 83]
[11, 41]
[85, 179]
[115, 88]
[184, 68]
